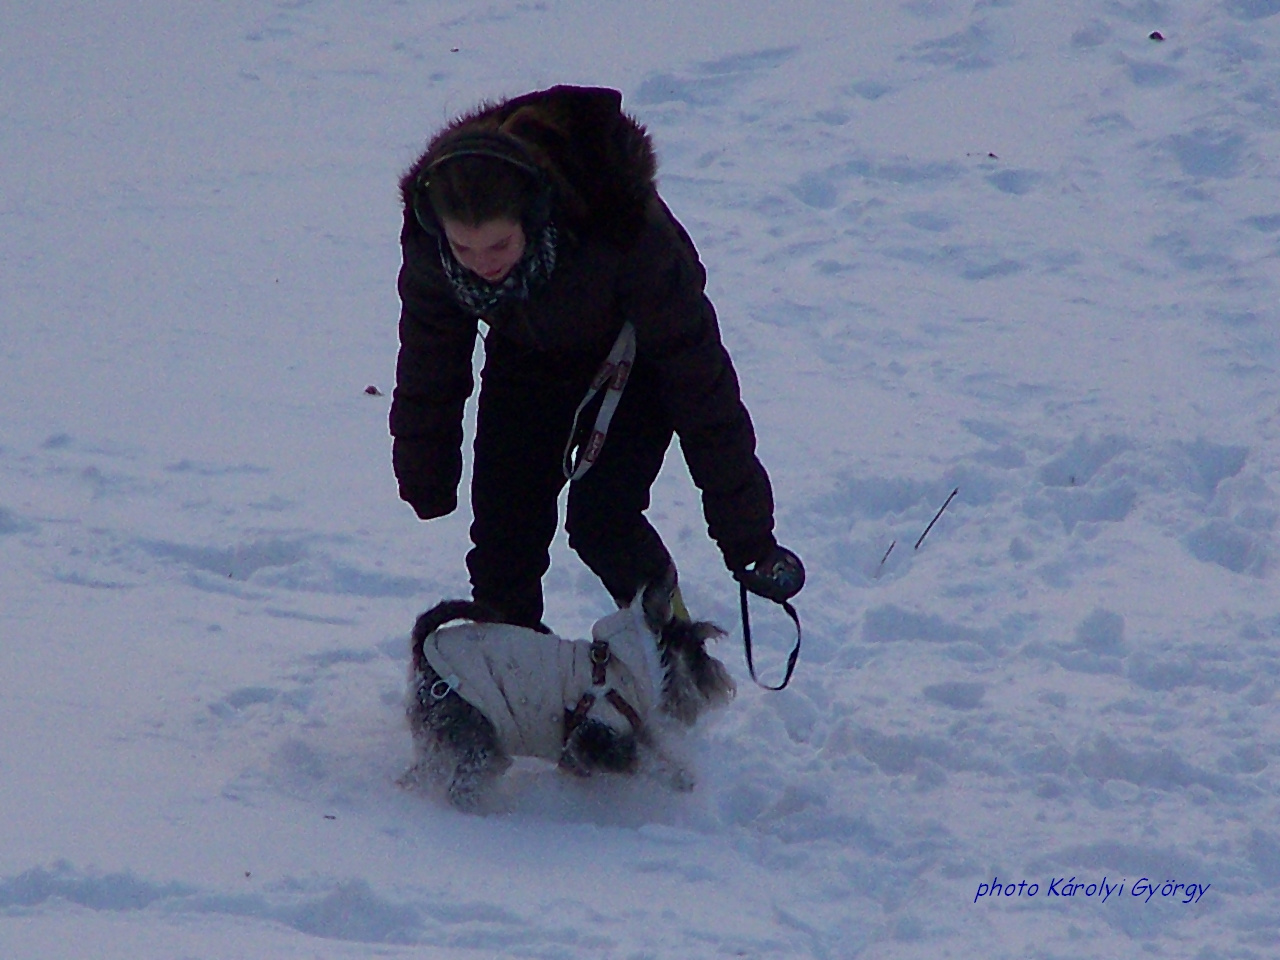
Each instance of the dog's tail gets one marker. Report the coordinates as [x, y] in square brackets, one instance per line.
[445, 612]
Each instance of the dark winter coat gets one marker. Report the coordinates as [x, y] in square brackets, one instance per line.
[622, 257]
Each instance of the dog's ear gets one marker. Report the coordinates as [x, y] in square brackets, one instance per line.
[656, 600]
[705, 630]
[695, 679]
[712, 679]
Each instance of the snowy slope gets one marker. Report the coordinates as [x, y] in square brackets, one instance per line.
[1020, 249]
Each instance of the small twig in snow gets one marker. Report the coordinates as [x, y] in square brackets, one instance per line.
[935, 517]
[884, 558]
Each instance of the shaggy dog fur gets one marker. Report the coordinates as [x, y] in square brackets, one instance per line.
[457, 747]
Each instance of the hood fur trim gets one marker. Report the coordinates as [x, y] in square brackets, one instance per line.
[600, 160]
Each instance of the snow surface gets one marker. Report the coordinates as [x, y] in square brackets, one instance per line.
[1019, 248]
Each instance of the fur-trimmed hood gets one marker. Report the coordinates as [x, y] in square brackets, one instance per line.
[600, 160]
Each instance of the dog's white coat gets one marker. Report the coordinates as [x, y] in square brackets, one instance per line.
[523, 680]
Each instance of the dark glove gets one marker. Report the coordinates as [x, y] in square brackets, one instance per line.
[428, 505]
[777, 576]
[427, 476]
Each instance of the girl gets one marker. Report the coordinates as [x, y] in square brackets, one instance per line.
[540, 216]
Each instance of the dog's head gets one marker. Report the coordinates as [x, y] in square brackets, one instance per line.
[686, 679]
[693, 680]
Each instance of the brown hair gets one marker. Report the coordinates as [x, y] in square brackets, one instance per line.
[475, 190]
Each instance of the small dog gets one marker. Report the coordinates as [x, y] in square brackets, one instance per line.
[483, 692]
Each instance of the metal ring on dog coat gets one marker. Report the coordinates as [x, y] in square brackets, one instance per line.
[447, 683]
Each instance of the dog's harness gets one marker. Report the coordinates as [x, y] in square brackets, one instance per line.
[600, 656]
[537, 690]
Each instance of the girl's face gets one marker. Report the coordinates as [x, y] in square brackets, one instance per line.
[489, 250]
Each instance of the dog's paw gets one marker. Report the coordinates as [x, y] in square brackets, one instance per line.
[413, 779]
[471, 787]
[682, 780]
[669, 772]
[469, 797]
[572, 764]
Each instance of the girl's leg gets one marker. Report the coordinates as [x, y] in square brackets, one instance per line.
[605, 520]
[521, 425]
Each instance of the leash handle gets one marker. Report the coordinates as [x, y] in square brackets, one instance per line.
[746, 641]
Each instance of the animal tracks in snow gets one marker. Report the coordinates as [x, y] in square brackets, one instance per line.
[1020, 249]
[87, 502]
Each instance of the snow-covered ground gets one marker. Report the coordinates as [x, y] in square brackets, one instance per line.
[1023, 249]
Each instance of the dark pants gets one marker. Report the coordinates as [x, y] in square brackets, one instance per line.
[523, 422]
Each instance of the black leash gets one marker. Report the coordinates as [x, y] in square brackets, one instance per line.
[746, 640]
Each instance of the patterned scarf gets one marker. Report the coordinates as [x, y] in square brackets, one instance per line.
[480, 296]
